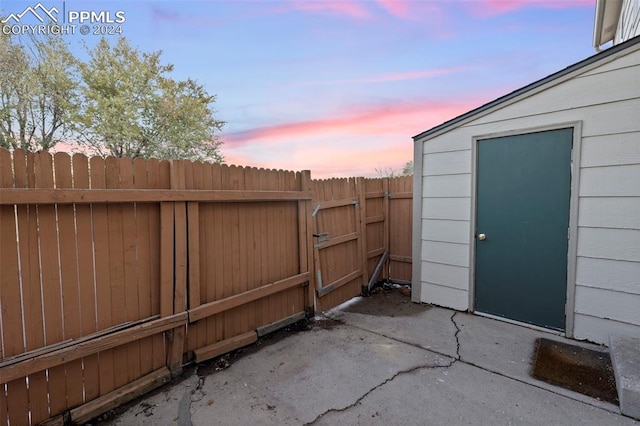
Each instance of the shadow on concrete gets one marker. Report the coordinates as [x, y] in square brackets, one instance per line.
[387, 302]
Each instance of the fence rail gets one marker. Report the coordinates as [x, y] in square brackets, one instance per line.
[115, 272]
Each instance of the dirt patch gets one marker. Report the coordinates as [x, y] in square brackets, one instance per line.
[325, 323]
[388, 300]
[575, 368]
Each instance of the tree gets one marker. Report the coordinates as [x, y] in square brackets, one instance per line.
[132, 108]
[390, 172]
[38, 92]
[407, 169]
[386, 172]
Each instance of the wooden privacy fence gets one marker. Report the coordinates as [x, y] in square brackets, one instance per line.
[115, 272]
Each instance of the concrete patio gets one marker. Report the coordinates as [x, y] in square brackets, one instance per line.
[375, 360]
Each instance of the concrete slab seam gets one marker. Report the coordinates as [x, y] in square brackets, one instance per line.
[190, 396]
[394, 338]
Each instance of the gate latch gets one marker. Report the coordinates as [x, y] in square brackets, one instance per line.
[324, 236]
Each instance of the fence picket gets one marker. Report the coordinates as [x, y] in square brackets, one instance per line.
[30, 277]
[155, 179]
[102, 273]
[84, 241]
[17, 408]
[69, 276]
[116, 269]
[130, 268]
[51, 285]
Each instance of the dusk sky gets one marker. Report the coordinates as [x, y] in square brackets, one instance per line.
[340, 87]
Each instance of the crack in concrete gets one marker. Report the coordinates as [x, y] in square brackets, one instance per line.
[390, 379]
[455, 324]
[399, 373]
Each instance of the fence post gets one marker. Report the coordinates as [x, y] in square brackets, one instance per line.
[362, 228]
[387, 225]
[305, 233]
[176, 281]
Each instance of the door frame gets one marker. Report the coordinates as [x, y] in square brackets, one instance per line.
[573, 212]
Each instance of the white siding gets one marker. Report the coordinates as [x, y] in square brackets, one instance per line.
[608, 274]
[608, 150]
[446, 163]
[574, 94]
[446, 296]
[613, 305]
[446, 231]
[605, 98]
[611, 181]
[446, 253]
[629, 22]
[614, 244]
[446, 208]
[602, 119]
[448, 186]
[596, 329]
[610, 212]
[448, 142]
[447, 275]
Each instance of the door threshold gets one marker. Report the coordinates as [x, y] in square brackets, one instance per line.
[521, 324]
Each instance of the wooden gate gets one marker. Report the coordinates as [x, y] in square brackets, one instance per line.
[399, 223]
[361, 235]
[339, 252]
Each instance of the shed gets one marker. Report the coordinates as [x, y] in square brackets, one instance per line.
[527, 209]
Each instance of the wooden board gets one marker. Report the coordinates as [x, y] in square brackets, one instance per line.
[102, 274]
[86, 283]
[69, 278]
[17, 400]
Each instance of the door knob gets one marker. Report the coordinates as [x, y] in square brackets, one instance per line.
[482, 237]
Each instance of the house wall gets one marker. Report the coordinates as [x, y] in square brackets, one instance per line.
[605, 98]
[629, 22]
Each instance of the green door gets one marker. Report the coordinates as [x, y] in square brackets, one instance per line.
[523, 190]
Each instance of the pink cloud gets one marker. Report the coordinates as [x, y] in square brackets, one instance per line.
[334, 159]
[498, 7]
[399, 8]
[350, 9]
[412, 10]
[399, 119]
[351, 142]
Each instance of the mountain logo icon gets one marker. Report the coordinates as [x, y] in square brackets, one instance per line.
[39, 11]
